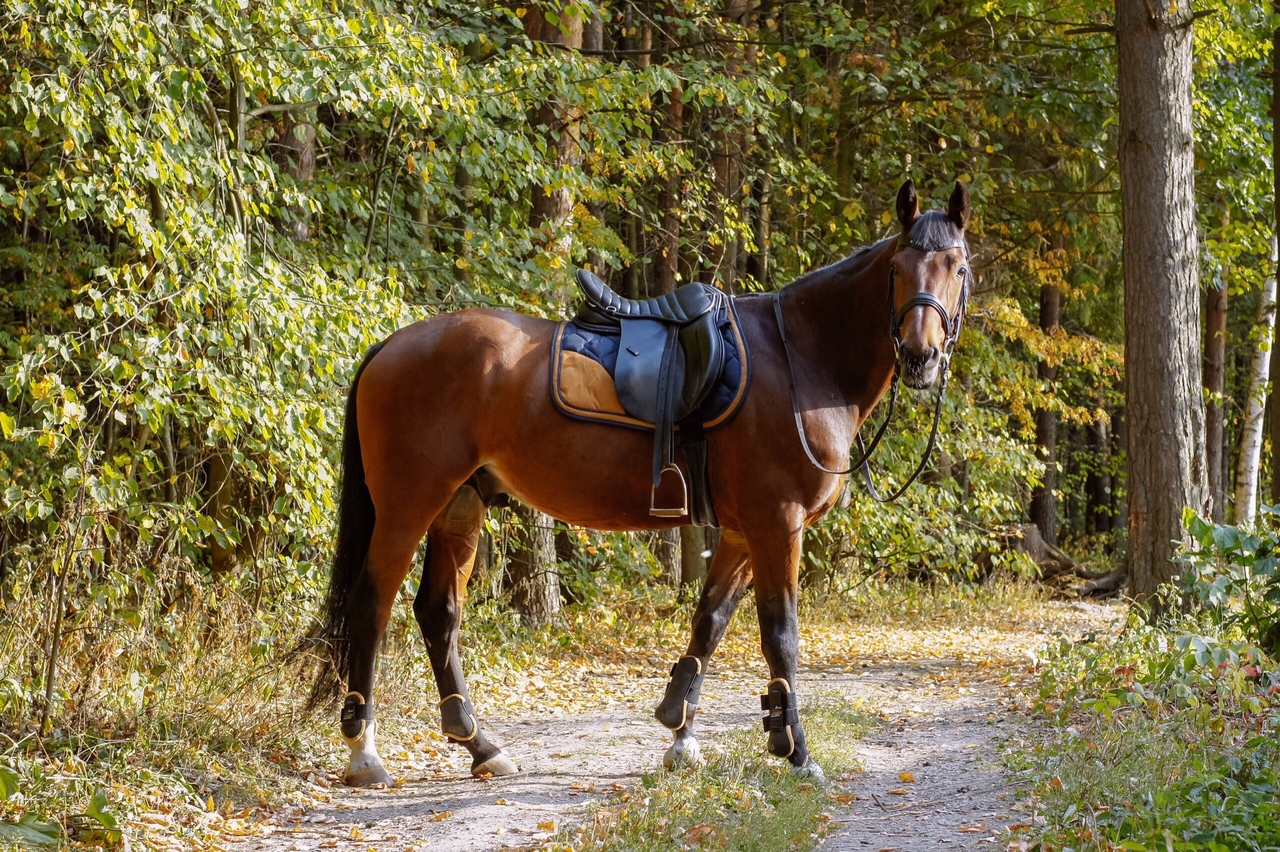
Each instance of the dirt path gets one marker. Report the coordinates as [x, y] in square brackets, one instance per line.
[931, 776]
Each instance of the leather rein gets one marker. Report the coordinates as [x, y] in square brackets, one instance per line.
[951, 323]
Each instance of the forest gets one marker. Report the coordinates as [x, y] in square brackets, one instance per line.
[210, 211]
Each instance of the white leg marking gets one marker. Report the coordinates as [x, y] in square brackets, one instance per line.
[683, 752]
[496, 766]
[365, 767]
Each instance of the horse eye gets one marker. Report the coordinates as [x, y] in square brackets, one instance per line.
[962, 272]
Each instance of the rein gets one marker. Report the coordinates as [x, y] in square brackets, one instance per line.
[952, 326]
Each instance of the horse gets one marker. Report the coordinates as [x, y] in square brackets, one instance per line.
[449, 412]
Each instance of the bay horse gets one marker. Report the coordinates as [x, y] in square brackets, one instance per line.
[464, 398]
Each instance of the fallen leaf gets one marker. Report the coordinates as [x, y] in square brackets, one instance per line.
[899, 792]
[906, 777]
[547, 825]
[439, 816]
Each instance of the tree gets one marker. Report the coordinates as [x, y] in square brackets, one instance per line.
[532, 577]
[1164, 403]
[1215, 383]
[1254, 405]
[1044, 508]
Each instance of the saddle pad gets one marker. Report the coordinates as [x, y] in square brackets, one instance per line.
[583, 360]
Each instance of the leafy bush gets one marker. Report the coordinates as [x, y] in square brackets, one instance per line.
[1162, 738]
[1234, 576]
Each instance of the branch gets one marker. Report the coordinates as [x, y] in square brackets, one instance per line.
[1095, 28]
[270, 108]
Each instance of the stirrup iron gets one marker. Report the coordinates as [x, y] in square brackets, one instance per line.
[669, 512]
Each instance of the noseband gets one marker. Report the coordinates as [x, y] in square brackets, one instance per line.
[926, 299]
[951, 324]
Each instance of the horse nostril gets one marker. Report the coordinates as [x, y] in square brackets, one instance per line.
[922, 355]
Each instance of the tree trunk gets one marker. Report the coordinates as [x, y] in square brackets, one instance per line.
[1254, 406]
[667, 263]
[693, 561]
[1215, 378]
[297, 157]
[219, 496]
[1044, 507]
[667, 550]
[1274, 401]
[758, 260]
[1098, 482]
[1164, 402]
[1119, 506]
[532, 578]
[551, 205]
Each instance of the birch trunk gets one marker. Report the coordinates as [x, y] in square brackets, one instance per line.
[1255, 405]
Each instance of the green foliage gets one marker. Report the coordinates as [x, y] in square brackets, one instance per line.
[1164, 737]
[1233, 576]
[186, 286]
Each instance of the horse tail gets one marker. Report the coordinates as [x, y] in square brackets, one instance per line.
[355, 532]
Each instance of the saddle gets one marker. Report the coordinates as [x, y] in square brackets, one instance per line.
[670, 356]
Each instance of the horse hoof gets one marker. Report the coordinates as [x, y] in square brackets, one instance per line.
[687, 753]
[811, 771]
[367, 776]
[495, 766]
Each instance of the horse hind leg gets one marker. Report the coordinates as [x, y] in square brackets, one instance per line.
[451, 550]
[723, 589]
[370, 600]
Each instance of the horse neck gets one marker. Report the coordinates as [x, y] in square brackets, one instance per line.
[840, 317]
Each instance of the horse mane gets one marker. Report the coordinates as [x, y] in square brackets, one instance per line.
[844, 265]
[935, 231]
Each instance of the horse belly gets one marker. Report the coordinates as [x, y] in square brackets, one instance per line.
[585, 474]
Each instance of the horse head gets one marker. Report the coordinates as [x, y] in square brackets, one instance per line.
[928, 284]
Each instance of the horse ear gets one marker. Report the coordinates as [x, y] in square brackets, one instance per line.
[958, 206]
[908, 204]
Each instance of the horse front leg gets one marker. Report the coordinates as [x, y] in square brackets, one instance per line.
[451, 551]
[775, 556]
[726, 581]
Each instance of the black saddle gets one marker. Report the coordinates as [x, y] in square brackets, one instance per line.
[670, 356]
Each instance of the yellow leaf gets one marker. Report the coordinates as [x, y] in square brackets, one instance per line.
[356, 833]
[439, 816]
[899, 792]
[547, 825]
[906, 777]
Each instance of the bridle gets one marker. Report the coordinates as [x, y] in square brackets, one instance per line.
[952, 324]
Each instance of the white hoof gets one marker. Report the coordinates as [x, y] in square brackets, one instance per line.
[683, 753]
[496, 766]
[811, 771]
[366, 776]
[364, 768]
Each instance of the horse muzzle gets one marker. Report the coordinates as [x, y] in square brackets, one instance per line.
[920, 369]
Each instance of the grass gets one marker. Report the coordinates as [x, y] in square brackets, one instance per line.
[741, 799]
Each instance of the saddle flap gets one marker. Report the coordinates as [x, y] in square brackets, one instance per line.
[640, 353]
[704, 352]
